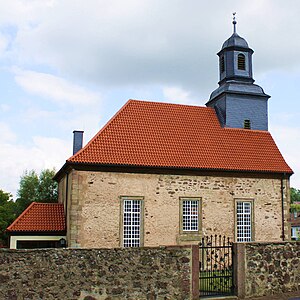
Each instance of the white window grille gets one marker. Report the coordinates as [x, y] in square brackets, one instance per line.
[190, 215]
[132, 223]
[243, 219]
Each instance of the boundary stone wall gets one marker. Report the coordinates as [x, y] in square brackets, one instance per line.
[97, 274]
[266, 269]
[162, 273]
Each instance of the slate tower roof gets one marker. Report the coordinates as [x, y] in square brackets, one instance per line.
[235, 41]
[238, 102]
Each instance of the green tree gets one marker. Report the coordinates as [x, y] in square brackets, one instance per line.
[295, 195]
[36, 188]
[47, 188]
[27, 191]
[7, 215]
[295, 198]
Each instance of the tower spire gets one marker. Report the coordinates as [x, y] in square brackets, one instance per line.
[234, 22]
[238, 102]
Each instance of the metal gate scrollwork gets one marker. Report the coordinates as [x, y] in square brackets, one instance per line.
[216, 266]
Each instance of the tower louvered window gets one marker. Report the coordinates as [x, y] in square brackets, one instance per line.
[222, 64]
[247, 124]
[241, 62]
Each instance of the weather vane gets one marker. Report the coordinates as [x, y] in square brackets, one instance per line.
[234, 22]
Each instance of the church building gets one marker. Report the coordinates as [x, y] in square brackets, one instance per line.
[169, 174]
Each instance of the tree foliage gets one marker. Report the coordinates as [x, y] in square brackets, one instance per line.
[295, 207]
[295, 195]
[27, 191]
[7, 215]
[33, 187]
[47, 189]
[36, 188]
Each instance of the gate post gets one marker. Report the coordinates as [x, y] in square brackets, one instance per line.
[195, 272]
[239, 269]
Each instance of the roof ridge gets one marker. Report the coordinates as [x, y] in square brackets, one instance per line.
[101, 130]
[168, 103]
[32, 218]
[129, 101]
[48, 203]
[159, 134]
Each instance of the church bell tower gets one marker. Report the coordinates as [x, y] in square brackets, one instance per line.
[238, 102]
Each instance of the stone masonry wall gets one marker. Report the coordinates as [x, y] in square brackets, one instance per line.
[94, 207]
[272, 268]
[96, 274]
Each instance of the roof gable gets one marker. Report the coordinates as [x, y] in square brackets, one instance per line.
[40, 217]
[154, 134]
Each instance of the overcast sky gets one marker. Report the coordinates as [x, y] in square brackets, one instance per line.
[69, 65]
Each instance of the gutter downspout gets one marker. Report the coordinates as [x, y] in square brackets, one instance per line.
[66, 210]
[282, 207]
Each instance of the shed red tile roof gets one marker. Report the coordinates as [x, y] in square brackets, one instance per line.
[156, 134]
[41, 217]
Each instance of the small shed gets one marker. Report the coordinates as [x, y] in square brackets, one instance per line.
[41, 225]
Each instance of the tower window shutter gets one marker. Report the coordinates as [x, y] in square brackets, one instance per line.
[241, 62]
[222, 64]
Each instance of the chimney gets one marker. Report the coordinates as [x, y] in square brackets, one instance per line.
[77, 140]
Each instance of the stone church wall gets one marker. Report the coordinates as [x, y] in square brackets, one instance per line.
[95, 206]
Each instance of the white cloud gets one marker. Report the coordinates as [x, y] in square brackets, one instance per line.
[121, 43]
[137, 44]
[86, 121]
[34, 114]
[4, 108]
[54, 88]
[178, 95]
[23, 13]
[3, 43]
[6, 134]
[288, 141]
[43, 153]
[50, 152]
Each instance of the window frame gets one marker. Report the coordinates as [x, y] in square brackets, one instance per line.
[252, 228]
[190, 232]
[141, 236]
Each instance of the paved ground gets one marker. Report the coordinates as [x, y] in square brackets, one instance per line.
[287, 296]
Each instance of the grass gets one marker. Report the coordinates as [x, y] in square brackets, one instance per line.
[216, 282]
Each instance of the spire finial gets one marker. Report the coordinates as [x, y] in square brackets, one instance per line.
[234, 22]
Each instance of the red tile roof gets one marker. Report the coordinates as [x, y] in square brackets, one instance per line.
[155, 134]
[41, 217]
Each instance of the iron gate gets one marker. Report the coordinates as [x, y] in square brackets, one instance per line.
[215, 265]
